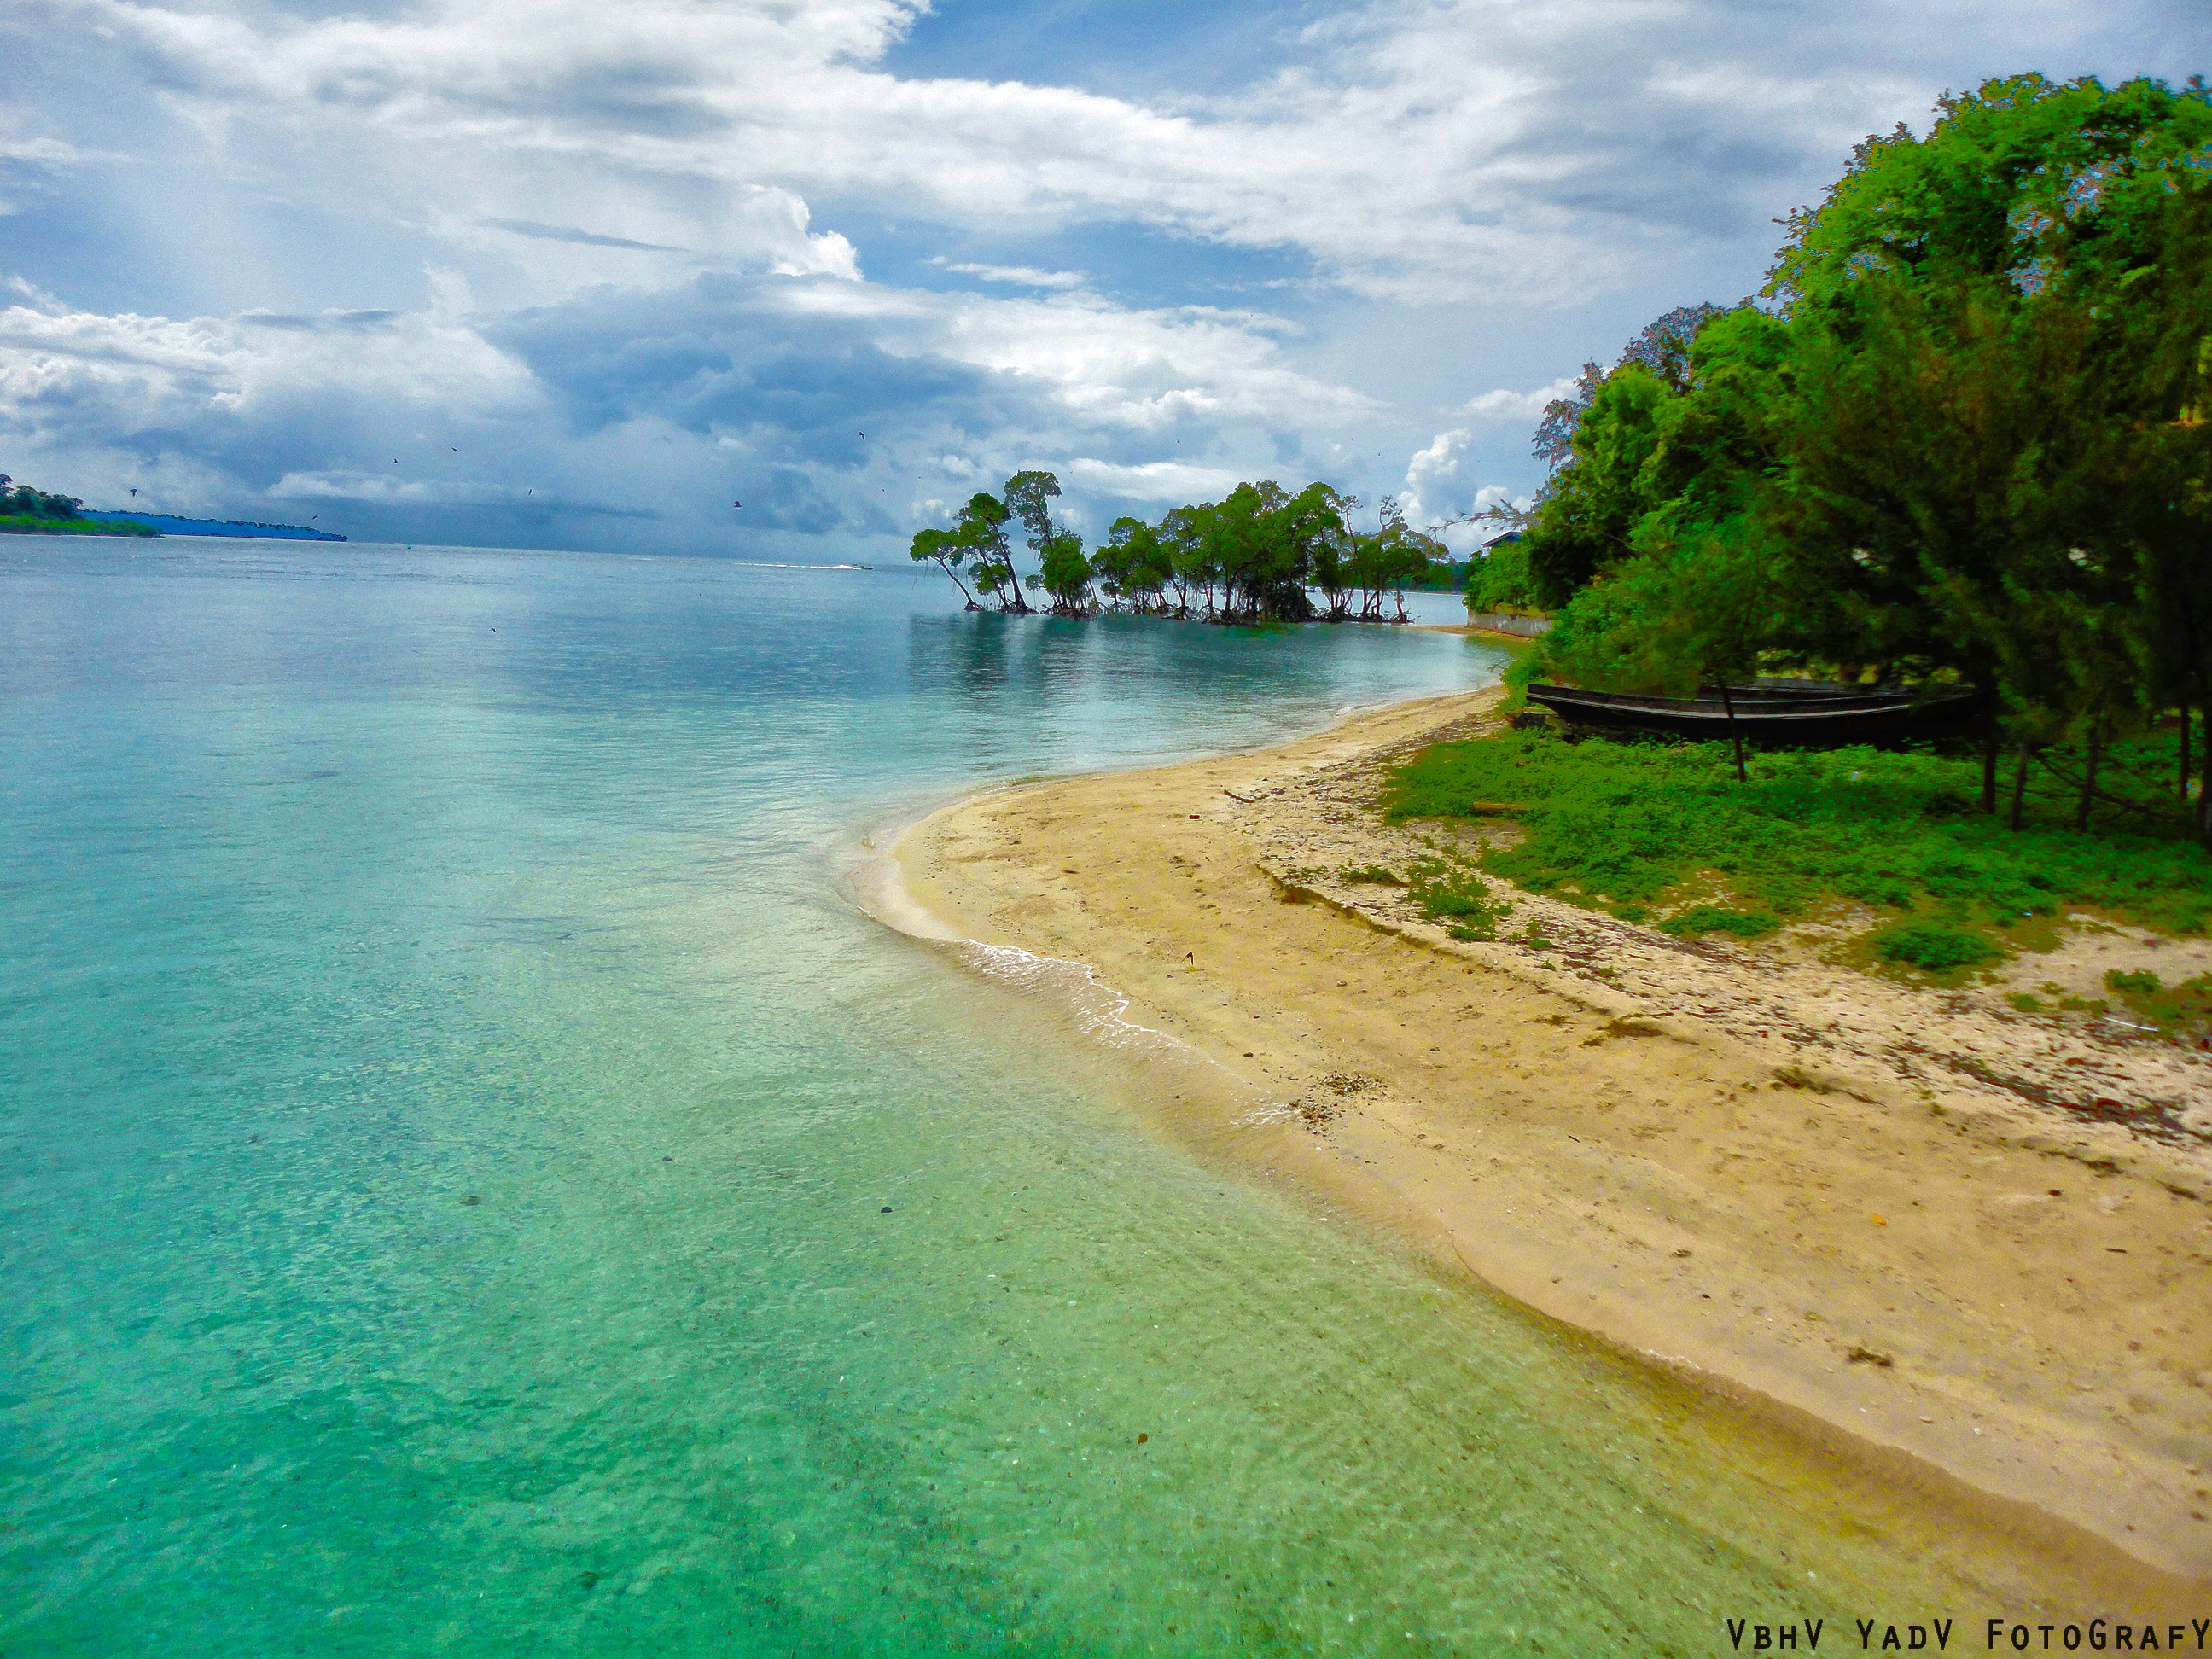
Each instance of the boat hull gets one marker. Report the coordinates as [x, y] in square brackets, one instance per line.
[1807, 720]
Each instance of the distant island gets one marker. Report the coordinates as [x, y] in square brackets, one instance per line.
[26, 510]
[169, 523]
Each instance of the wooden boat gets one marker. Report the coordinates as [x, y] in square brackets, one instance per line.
[1805, 713]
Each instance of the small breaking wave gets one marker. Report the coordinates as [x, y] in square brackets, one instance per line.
[1101, 1011]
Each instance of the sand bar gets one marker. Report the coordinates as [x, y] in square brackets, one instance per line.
[1978, 1239]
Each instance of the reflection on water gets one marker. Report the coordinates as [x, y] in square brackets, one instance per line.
[474, 1188]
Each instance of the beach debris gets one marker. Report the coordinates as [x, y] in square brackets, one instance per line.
[1859, 1356]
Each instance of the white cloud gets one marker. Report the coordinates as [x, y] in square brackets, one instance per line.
[1439, 485]
[1021, 275]
[1421, 147]
[1147, 370]
[1431, 475]
[816, 396]
[221, 396]
[45, 152]
[391, 491]
[1503, 405]
[1172, 483]
[644, 283]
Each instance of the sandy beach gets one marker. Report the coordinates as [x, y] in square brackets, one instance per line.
[1972, 1238]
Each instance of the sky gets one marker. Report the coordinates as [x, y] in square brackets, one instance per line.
[587, 273]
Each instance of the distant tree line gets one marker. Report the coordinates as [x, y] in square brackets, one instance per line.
[1260, 554]
[1963, 439]
[23, 501]
[23, 507]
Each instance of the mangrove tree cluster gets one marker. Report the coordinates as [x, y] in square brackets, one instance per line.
[1260, 554]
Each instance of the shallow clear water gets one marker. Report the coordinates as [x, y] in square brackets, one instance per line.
[472, 1186]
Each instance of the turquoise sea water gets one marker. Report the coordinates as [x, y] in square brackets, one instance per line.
[472, 1185]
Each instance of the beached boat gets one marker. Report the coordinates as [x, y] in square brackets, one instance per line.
[1803, 712]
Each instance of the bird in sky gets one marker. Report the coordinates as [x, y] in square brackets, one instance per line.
[737, 503]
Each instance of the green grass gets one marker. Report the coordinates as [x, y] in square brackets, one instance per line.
[1701, 920]
[1934, 948]
[1459, 898]
[1638, 828]
[2184, 1007]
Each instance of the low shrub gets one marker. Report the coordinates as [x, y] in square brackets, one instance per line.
[1462, 898]
[2173, 1008]
[1701, 920]
[1933, 947]
[1374, 875]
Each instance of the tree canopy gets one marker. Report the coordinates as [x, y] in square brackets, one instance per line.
[1961, 438]
[1258, 554]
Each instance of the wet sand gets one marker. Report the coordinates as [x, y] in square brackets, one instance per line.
[1974, 1240]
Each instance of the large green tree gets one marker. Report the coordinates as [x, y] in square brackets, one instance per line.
[1963, 442]
[943, 549]
[1133, 564]
[1595, 501]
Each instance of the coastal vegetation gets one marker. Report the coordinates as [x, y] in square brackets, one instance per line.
[1259, 555]
[25, 510]
[1960, 439]
[1889, 843]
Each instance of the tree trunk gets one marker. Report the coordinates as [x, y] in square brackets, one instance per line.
[2183, 784]
[1990, 746]
[2204, 791]
[2089, 779]
[2019, 786]
[1735, 735]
